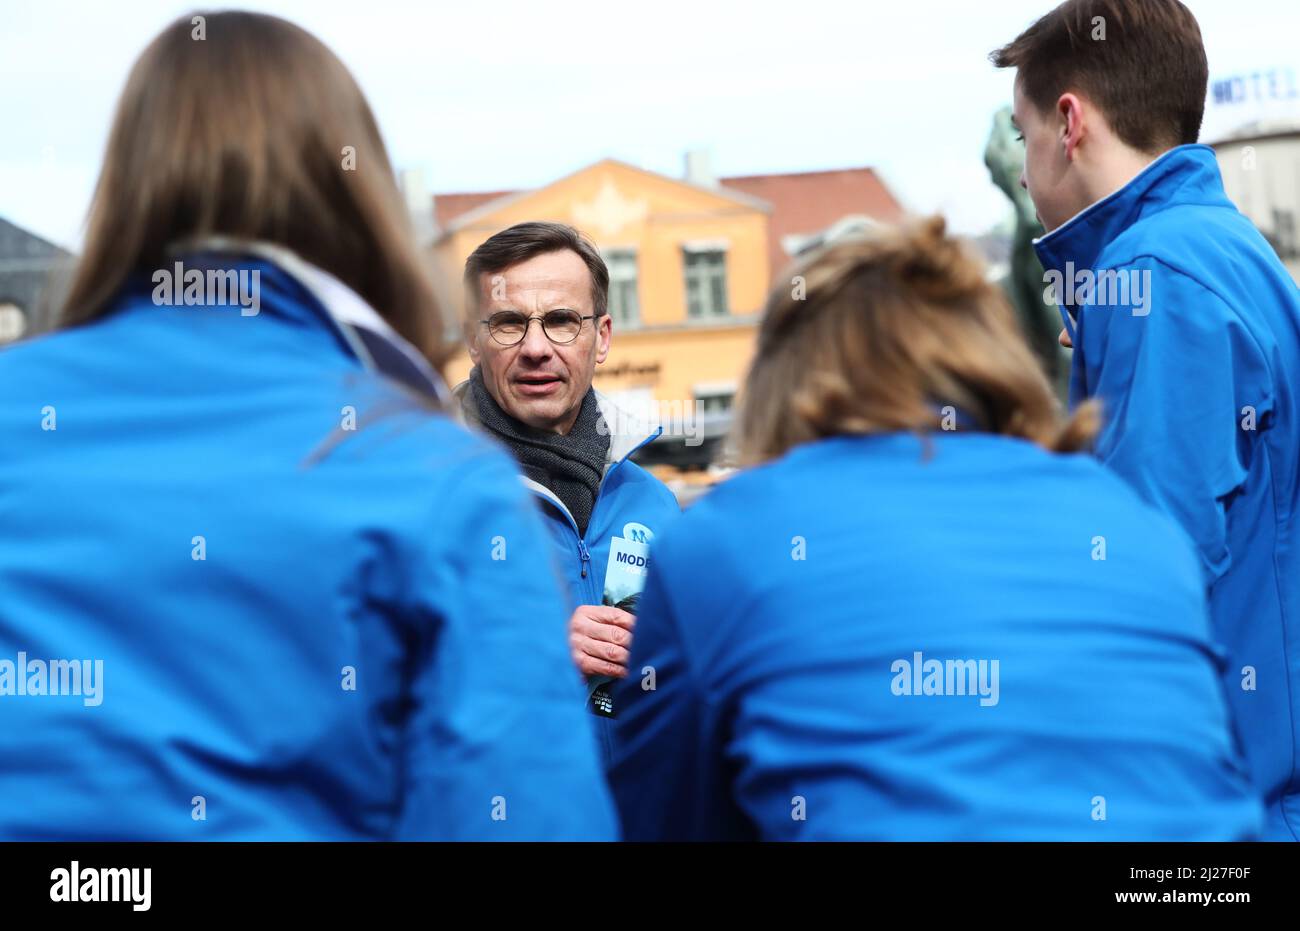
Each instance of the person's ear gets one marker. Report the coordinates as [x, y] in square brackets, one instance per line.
[604, 332]
[1069, 113]
[470, 329]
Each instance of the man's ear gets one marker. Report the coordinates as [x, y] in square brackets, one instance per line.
[470, 320]
[470, 330]
[604, 331]
[1069, 114]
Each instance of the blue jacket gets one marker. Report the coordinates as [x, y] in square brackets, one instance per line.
[305, 631]
[1199, 379]
[792, 638]
[632, 507]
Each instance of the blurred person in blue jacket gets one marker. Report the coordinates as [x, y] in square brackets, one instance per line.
[920, 616]
[1185, 326]
[538, 324]
[255, 583]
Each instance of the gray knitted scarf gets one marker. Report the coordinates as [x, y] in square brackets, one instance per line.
[571, 466]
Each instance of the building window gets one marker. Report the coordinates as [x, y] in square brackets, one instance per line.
[706, 283]
[13, 322]
[624, 308]
[1284, 234]
[715, 400]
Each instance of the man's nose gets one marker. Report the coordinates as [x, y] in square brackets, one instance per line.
[535, 344]
[1023, 183]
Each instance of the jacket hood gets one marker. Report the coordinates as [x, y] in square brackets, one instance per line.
[367, 336]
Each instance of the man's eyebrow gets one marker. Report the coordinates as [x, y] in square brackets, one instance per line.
[515, 310]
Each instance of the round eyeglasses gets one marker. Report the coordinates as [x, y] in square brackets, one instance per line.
[508, 327]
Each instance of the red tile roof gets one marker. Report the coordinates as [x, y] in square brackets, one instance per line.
[809, 202]
[447, 207]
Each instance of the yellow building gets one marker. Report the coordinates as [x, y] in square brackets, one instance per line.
[688, 270]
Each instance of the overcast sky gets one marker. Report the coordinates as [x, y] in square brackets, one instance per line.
[516, 93]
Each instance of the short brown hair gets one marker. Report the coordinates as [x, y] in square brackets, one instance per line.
[879, 335]
[245, 134]
[1148, 75]
[523, 241]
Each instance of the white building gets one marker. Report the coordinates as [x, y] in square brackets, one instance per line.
[1261, 173]
[1253, 122]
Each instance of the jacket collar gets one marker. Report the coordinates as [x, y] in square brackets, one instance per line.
[1188, 174]
[630, 432]
[367, 336]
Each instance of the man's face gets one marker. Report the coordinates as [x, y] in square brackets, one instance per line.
[1047, 175]
[538, 382]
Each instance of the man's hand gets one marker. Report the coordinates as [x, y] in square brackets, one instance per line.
[600, 638]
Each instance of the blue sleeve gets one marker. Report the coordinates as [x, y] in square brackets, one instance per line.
[499, 745]
[1180, 386]
[667, 772]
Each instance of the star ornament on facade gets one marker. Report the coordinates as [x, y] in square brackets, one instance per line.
[609, 211]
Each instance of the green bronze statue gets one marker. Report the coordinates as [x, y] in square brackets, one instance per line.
[1005, 157]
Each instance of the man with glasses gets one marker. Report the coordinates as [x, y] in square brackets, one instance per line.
[536, 328]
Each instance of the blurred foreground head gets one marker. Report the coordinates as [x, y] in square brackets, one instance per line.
[245, 126]
[879, 335]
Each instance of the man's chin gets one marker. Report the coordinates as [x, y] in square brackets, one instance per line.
[538, 413]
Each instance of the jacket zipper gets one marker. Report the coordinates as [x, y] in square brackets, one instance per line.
[583, 553]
